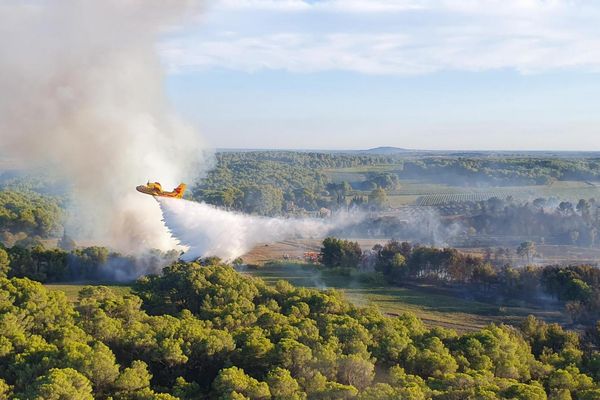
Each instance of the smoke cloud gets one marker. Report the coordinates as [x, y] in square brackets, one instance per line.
[210, 231]
[83, 97]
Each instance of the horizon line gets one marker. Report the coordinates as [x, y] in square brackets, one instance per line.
[400, 150]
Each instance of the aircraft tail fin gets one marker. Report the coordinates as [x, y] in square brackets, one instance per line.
[180, 190]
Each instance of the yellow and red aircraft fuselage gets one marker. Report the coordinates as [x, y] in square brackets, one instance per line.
[155, 189]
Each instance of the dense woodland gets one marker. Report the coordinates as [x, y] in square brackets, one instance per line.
[268, 182]
[208, 332]
[94, 263]
[28, 214]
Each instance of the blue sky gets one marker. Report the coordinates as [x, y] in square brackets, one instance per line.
[350, 74]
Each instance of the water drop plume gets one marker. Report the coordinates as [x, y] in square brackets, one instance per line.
[209, 231]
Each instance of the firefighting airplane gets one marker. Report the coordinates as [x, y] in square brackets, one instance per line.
[155, 189]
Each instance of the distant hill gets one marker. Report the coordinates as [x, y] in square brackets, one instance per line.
[385, 150]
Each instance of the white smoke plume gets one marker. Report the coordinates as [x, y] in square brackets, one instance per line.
[210, 231]
[82, 95]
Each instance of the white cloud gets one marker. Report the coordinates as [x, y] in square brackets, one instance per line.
[326, 5]
[392, 37]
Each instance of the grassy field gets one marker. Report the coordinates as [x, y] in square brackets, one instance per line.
[432, 305]
[72, 289]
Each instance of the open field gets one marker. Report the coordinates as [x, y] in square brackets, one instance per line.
[72, 289]
[355, 174]
[564, 190]
[434, 306]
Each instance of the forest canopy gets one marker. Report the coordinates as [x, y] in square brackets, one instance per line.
[209, 332]
[30, 213]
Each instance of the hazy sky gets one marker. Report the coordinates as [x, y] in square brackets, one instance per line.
[434, 74]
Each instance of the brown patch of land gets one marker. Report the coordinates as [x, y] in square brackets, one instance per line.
[294, 249]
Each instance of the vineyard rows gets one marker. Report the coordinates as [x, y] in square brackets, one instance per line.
[439, 199]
